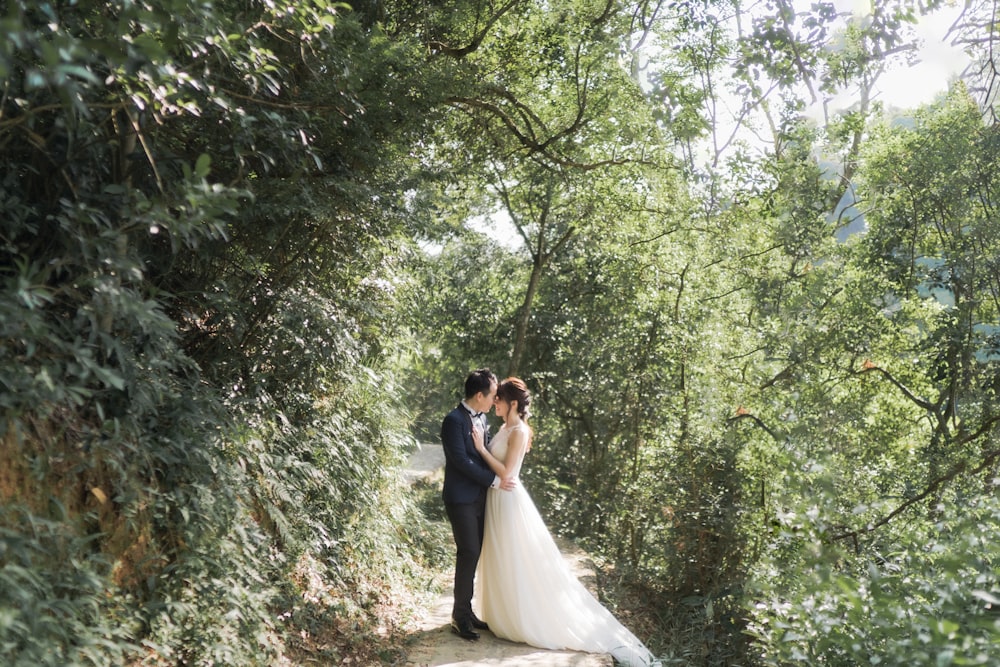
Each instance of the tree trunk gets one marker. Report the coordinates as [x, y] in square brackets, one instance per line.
[521, 330]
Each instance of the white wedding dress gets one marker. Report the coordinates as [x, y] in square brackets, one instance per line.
[525, 590]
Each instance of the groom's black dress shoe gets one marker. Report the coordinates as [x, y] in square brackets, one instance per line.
[464, 629]
[479, 625]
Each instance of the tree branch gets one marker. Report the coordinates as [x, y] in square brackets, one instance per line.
[990, 459]
[756, 420]
[440, 48]
[526, 138]
[924, 404]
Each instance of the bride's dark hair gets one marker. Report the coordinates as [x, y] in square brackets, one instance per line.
[514, 389]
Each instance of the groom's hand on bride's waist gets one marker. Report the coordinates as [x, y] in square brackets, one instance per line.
[508, 484]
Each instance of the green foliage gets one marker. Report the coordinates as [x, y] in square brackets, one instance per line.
[699, 369]
[924, 593]
[874, 552]
[41, 598]
[212, 312]
[458, 316]
[195, 303]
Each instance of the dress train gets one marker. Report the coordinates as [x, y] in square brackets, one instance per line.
[526, 591]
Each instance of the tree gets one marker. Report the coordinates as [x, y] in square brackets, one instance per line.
[907, 418]
[976, 29]
[200, 203]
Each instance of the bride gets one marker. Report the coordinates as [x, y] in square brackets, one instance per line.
[524, 589]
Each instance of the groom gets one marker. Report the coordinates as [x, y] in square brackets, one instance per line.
[466, 478]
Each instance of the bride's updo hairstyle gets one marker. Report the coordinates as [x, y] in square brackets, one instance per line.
[514, 389]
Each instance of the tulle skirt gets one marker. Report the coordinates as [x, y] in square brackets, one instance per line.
[527, 592]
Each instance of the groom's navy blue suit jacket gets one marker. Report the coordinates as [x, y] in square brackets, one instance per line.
[466, 474]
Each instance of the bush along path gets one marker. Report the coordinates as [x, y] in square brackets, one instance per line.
[433, 644]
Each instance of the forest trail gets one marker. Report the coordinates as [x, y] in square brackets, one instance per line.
[436, 646]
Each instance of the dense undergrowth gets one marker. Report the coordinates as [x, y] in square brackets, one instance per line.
[242, 260]
[199, 421]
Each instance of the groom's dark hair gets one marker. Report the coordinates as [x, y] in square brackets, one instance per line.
[479, 381]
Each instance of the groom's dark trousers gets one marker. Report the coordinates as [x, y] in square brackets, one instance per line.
[467, 527]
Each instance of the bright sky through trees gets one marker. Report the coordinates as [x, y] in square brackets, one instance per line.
[936, 65]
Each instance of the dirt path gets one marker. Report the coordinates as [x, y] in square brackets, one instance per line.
[437, 646]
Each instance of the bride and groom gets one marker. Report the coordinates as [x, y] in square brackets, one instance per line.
[505, 556]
